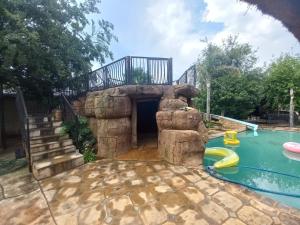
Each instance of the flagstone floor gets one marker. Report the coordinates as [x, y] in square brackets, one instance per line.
[127, 192]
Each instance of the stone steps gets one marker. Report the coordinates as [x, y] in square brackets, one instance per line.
[51, 145]
[45, 124]
[57, 164]
[47, 138]
[51, 151]
[36, 132]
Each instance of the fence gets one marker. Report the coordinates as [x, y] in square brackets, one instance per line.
[132, 70]
[129, 70]
[188, 77]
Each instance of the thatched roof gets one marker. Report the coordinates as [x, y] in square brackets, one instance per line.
[287, 11]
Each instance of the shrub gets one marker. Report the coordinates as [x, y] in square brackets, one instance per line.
[82, 136]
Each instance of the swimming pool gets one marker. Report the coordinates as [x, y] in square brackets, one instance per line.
[265, 152]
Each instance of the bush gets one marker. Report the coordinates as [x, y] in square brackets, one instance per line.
[89, 155]
[82, 136]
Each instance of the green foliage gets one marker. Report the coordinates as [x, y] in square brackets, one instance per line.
[283, 75]
[236, 85]
[43, 44]
[81, 134]
[139, 76]
[89, 155]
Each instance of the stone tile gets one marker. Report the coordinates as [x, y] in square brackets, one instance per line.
[169, 223]
[50, 183]
[117, 205]
[143, 171]
[141, 196]
[173, 202]
[202, 173]
[18, 185]
[129, 174]
[153, 214]
[166, 174]
[92, 215]
[233, 221]
[64, 206]
[214, 211]
[74, 180]
[26, 209]
[207, 187]
[112, 179]
[178, 169]
[263, 207]
[67, 219]
[288, 219]
[128, 217]
[176, 182]
[227, 200]
[193, 194]
[158, 167]
[153, 179]
[91, 198]
[192, 177]
[252, 216]
[162, 188]
[136, 182]
[192, 217]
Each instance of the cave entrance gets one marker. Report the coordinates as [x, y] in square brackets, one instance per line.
[146, 123]
[144, 131]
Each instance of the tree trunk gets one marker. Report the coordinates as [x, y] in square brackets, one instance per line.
[208, 89]
[292, 107]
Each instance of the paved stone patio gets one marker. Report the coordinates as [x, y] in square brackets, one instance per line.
[127, 192]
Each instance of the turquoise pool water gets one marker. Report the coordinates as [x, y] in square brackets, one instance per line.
[264, 151]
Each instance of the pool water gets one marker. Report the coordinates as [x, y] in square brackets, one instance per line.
[264, 151]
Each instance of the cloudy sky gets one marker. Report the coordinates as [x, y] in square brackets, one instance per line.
[175, 28]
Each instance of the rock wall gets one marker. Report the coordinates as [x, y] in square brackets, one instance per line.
[181, 130]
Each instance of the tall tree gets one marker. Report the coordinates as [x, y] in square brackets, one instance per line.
[44, 43]
[282, 87]
[231, 60]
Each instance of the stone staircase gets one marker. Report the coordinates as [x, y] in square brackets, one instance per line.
[51, 151]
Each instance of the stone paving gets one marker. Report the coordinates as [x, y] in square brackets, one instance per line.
[130, 192]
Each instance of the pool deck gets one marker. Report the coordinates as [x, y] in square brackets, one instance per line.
[131, 192]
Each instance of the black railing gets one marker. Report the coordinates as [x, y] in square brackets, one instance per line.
[132, 70]
[188, 77]
[70, 116]
[128, 70]
[24, 122]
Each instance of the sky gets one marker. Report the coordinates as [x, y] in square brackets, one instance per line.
[177, 28]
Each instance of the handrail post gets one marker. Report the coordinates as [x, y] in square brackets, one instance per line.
[106, 81]
[148, 72]
[170, 71]
[128, 72]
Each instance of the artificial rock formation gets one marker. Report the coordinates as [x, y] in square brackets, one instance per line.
[112, 113]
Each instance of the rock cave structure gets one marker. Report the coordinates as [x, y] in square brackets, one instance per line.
[114, 121]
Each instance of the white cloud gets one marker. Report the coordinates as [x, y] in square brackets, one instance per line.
[173, 31]
[263, 32]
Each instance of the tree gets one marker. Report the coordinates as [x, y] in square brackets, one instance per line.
[211, 59]
[44, 43]
[282, 86]
[139, 76]
[223, 70]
